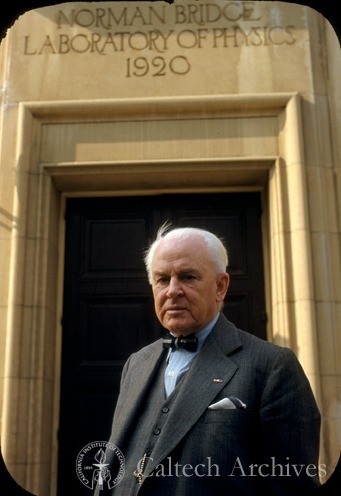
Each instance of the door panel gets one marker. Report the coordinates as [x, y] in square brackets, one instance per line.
[108, 310]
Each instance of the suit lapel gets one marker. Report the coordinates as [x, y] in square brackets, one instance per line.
[211, 370]
[129, 408]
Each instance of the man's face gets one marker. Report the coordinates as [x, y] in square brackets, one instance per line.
[187, 289]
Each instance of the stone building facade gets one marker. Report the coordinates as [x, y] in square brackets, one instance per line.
[137, 98]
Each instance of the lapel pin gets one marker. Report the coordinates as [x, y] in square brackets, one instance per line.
[217, 380]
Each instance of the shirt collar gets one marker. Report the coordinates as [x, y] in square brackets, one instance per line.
[203, 334]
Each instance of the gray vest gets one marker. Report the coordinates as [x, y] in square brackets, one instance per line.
[146, 433]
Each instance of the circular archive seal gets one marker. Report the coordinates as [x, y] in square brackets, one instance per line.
[101, 464]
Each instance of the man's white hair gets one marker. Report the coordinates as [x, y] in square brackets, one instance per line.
[215, 246]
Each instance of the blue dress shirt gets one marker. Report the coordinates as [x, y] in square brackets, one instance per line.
[179, 361]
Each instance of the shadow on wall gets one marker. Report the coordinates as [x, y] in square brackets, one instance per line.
[333, 485]
[8, 486]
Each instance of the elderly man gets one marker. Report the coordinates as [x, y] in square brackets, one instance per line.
[210, 409]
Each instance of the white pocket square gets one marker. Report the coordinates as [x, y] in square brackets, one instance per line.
[227, 404]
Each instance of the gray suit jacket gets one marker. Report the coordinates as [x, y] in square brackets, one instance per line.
[271, 447]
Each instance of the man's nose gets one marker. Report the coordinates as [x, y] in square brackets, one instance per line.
[174, 288]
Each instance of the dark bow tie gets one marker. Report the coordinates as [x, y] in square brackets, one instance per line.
[189, 343]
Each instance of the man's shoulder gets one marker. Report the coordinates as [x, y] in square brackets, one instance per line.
[262, 346]
[248, 341]
[148, 350]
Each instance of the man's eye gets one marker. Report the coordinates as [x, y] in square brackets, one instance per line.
[188, 277]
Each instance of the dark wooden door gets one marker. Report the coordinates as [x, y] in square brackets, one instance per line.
[108, 310]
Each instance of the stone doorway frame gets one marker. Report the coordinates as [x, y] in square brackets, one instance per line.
[32, 368]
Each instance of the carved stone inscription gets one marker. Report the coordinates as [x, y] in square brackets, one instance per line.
[157, 38]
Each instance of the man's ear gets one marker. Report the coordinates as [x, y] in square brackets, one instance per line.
[223, 282]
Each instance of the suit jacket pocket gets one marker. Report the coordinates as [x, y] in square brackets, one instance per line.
[222, 436]
[235, 416]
